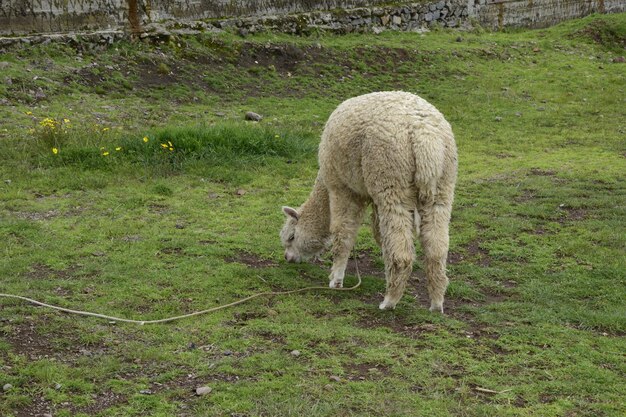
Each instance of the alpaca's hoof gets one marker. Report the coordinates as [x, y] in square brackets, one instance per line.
[436, 307]
[387, 305]
[335, 284]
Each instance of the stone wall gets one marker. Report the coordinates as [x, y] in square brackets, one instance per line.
[20, 17]
[538, 13]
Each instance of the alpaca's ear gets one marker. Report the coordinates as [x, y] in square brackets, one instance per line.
[291, 212]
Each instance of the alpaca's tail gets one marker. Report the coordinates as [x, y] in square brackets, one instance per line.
[429, 149]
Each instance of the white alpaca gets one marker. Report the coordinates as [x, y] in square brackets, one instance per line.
[397, 152]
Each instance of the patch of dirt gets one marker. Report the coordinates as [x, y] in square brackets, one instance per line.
[35, 215]
[26, 339]
[38, 407]
[572, 214]
[158, 208]
[171, 251]
[473, 253]
[271, 337]
[527, 195]
[44, 272]
[251, 260]
[366, 371]
[366, 265]
[542, 172]
[603, 33]
[101, 401]
[284, 58]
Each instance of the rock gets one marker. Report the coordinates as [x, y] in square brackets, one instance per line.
[203, 390]
[4, 64]
[619, 59]
[498, 119]
[385, 20]
[396, 20]
[57, 386]
[7, 182]
[228, 352]
[6, 387]
[39, 94]
[255, 117]
[145, 392]
[241, 192]
[377, 30]
[295, 353]
[334, 378]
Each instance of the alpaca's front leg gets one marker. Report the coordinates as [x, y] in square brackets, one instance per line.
[346, 213]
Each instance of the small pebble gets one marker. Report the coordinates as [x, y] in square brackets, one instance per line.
[228, 352]
[203, 390]
[145, 392]
[335, 378]
[295, 353]
[253, 116]
[7, 387]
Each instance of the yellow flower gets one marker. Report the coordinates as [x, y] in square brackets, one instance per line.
[145, 139]
[277, 136]
[29, 113]
[170, 143]
[119, 148]
[66, 120]
[171, 149]
[48, 123]
[105, 129]
[164, 145]
[105, 154]
[55, 151]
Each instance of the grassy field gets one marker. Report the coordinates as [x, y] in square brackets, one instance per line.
[131, 185]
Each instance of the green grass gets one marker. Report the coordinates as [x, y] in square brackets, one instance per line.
[535, 314]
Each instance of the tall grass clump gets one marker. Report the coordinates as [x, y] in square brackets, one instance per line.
[174, 147]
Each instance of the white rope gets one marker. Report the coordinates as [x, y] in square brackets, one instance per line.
[196, 313]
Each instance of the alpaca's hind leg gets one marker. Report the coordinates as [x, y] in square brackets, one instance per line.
[376, 226]
[346, 213]
[396, 229]
[435, 219]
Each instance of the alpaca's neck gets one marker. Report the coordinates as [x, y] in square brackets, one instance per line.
[315, 212]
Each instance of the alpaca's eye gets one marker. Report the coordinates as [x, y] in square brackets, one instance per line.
[291, 238]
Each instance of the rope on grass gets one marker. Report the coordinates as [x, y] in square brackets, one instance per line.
[184, 316]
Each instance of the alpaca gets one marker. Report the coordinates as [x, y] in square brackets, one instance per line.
[395, 151]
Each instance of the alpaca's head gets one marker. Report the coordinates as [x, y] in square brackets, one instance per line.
[300, 239]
